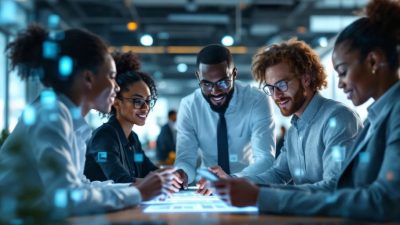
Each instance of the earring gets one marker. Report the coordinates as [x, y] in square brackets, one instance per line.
[373, 71]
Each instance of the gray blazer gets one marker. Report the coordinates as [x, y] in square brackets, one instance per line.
[369, 184]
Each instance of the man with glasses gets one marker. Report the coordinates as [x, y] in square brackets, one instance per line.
[322, 130]
[229, 123]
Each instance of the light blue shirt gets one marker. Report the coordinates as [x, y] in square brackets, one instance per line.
[315, 146]
[250, 128]
[46, 155]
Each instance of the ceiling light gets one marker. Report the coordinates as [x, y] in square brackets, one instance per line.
[182, 67]
[146, 40]
[323, 42]
[132, 26]
[227, 40]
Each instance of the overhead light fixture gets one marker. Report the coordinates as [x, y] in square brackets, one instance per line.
[227, 40]
[182, 67]
[323, 23]
[132, 26]
[323, 42]
[146, 40]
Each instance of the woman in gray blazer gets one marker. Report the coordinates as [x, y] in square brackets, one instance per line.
[367, 61]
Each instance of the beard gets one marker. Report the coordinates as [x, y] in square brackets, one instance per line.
[295, 102]
[219, 108]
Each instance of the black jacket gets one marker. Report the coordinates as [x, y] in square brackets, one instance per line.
[165, 143]
[111, 156]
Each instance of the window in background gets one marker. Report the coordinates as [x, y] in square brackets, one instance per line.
[17, 102]
[2, 81]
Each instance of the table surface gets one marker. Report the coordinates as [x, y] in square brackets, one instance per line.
[138, 215]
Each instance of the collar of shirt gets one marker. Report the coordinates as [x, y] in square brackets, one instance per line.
[377, 107]
[309, 113]
[124, 141]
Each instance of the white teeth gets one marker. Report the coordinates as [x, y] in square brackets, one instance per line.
[218, 98]
[142, 116]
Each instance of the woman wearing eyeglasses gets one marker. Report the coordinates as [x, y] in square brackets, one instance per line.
[114, 152]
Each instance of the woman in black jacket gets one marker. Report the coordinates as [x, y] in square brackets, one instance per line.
[114, 152]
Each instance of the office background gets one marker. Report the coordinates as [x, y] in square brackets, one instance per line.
[167, 34]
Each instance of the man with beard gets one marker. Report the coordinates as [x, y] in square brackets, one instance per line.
[322, 130]
[229, 123]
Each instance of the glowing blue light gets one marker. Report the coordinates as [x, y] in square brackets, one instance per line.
[182, 67]
[53, 21]
[332, 122]
[331, 199]
[138, 157]
[65, 66]
[323, 42]
[56, 35]
[8, 11]
[101, 157]
[146, 40]
[233, 158]
[338, 153]
[60, 198]
[53, 117]
[298, 172]
[50, 50]
[76, 113]
[364, 157]
[48, 98]
[227, 40]
[29, 115]
[76, 195]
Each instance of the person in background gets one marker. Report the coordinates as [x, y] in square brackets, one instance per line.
[366, 58]
[114, 151]
[41, 158]
[230, 122]
[322, 131]
[166, 140]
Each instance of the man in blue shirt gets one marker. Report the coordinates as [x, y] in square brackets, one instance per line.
[322, 130]
[230, 124]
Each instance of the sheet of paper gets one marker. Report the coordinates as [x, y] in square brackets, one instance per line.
[190, 201]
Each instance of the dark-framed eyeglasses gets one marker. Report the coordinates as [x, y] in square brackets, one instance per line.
[222, 85]
[282, 86]
[138, 103]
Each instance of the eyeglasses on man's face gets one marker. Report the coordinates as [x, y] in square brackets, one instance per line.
[282, 86]
[138, 103]
[222, 85]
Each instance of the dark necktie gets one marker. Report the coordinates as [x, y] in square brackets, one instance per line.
[222, 141]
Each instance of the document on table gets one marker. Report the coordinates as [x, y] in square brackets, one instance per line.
[190, 201]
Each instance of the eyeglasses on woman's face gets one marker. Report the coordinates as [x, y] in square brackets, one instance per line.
[138, 103]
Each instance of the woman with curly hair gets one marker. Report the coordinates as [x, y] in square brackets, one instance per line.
[366, 57]
[43, 157]
[114, 151]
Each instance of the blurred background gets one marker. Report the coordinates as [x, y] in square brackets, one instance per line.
[167, 34]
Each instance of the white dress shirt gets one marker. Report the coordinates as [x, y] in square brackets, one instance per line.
[250, 128]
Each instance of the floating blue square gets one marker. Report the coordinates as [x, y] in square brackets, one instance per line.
[138, 157]
[101, 157]
[50, 50]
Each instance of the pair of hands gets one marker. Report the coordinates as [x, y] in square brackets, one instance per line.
[162, 181]
[203, 187]
[202, 184]
[234, 191]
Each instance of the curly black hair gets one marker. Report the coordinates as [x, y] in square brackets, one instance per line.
[26, 53]
[128, 73]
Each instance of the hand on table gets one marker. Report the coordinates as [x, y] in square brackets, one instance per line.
[237, 191]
